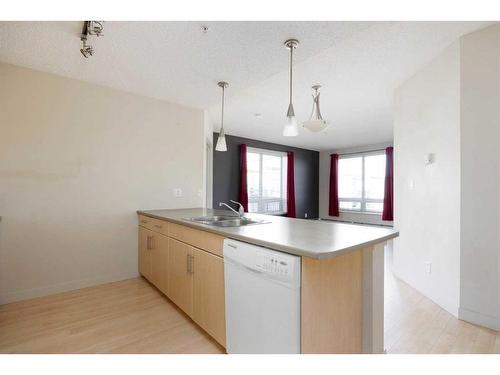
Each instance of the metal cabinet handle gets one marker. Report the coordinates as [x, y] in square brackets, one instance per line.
[158, 226]
[190, 263]
[152, 242]
[144, 221]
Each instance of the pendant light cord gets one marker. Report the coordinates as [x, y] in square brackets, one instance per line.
[291, 58]
[222, 116]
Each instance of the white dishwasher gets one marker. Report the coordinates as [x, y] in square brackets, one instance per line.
[262, 289]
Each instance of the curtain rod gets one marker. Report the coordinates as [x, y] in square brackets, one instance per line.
[361, 152]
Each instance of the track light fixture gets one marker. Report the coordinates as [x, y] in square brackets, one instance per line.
[95, 28]
[86, 49]
[90, 28]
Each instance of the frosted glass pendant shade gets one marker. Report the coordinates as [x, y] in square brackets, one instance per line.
[221, 142]
[316, 126]
[291, 128]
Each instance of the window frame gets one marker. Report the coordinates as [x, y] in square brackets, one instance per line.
[363, 200]
[281, 154]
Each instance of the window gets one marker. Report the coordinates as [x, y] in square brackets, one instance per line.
[266, 181]
[361, 182]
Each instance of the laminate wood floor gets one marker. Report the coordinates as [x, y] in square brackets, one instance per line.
[414, 324]
[131, 316]
[128, 316]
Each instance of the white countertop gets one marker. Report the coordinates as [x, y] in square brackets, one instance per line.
[311, 238]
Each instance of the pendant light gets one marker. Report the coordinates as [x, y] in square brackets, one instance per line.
[291, 129]
[221, 140]
[316, 123]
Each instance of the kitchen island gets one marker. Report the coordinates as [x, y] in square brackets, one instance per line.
[342, 272]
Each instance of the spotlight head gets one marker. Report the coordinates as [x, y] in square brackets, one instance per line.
[87, 51]
[90, 28]
[95, 28]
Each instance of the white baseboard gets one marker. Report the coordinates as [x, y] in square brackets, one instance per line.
[479, 319]
[62, 287]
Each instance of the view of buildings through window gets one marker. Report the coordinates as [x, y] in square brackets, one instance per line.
[361, 182]
[266, 181]
[360, 177]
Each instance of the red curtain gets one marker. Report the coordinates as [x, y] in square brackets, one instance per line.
[290, 186]
[243, 177]
[387, 213]
[333, 209]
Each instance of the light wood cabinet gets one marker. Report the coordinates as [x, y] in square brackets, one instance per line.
[208, 294]
[210, 242]
[186, 265]
[153, 224]
[153, 257]
[180, 275]
[146, 222]
[145, 257]
[159, 261]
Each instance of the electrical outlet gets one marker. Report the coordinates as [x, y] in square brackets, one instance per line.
[177, 192]
[305, 215]
[428, 267]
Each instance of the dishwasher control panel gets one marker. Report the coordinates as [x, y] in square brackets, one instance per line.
[273, 264]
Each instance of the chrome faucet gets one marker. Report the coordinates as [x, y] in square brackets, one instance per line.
[241, 210]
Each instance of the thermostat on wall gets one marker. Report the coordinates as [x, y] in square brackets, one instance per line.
[429, 159]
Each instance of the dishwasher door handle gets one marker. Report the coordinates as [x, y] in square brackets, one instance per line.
[252, 269]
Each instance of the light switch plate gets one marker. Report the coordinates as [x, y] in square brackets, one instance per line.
[428, 267]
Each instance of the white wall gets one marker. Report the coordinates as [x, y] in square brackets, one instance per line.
[208, 160]
[480, 182]
[324, 187]
[427, 197]
[76, 161]
[451, 217]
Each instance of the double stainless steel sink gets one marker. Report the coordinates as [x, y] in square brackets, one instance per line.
[225, 221]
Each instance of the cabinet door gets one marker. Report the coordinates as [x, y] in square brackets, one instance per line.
[159, 270]
[208, 294]
[145, 241]
[180, 275]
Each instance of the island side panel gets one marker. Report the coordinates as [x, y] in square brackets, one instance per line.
[332, 304]
[373, 299]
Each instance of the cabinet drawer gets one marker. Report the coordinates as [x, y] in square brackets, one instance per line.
[198, 238]
[146, 222]
[160, 226]
[156, 225]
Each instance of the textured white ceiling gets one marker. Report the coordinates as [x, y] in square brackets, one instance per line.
[358, 63]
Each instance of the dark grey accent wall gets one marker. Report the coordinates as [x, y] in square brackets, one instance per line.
[226, 173]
